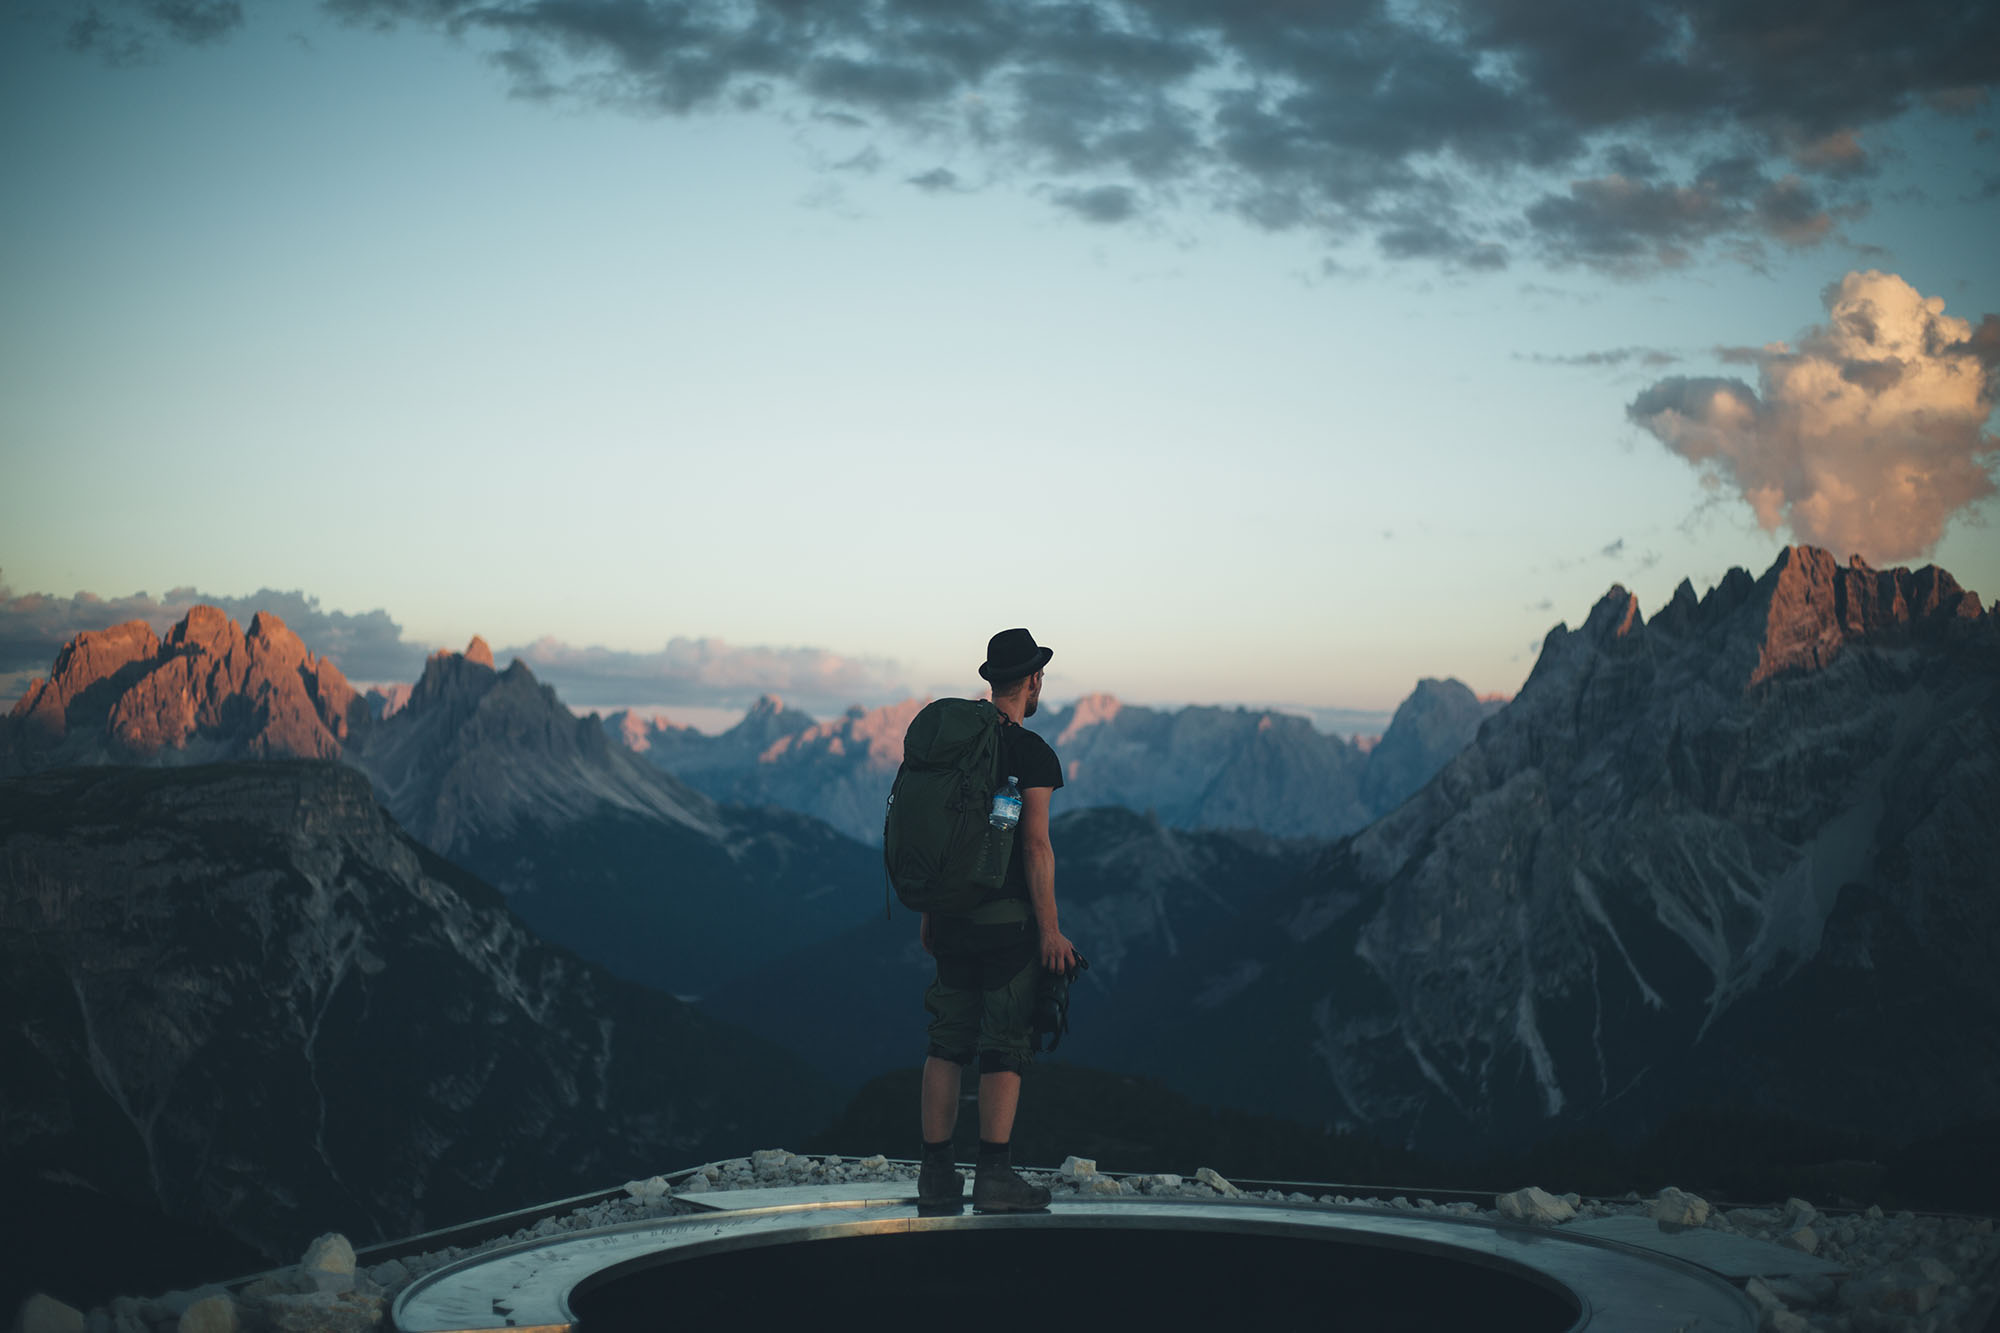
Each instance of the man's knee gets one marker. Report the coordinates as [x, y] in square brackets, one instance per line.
[1002, 1061]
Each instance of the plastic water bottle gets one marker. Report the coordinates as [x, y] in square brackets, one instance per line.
[1006, 807]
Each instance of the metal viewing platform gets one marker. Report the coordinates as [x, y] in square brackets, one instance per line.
[815, 1253]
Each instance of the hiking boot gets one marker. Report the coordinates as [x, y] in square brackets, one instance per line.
[939, 1184]
[998, 1188]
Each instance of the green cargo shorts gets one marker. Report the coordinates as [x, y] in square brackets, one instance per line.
[982, 1002]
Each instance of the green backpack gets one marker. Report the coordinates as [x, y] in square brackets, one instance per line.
[940, 852]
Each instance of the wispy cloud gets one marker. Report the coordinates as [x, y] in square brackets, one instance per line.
[1623, 137]
[1609, 358]
[1868, 438]
[708, 673]
[368, 646]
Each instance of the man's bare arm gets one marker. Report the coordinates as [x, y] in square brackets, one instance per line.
[1058, 954]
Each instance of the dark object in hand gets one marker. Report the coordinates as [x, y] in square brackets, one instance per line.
[1052, 1004]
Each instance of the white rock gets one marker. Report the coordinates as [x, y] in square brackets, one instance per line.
[874, 1163]
[1801, 1238]
[1099, 1185]
[46, 1314]
[1533, 1204]
[1211, 1178]
[1078, 1168]
[390, 1274]
[1800, 1213]
[1761, 1295]
[766, 1162]
[330, 1253]
[1786, 1321]
[210, 1314]
[695, 1184]
[1678, 1208]
[653, 1187]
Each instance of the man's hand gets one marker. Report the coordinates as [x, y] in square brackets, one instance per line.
[924, 933]
[1058, 954]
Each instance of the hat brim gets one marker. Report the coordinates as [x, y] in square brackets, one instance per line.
[1016, 670]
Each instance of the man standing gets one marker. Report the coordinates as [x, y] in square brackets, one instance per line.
[989, 960]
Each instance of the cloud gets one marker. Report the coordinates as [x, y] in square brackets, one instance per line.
[130, 32]
[366, 647]
[1621, 223]
[1612, 356]
[1103, 203]
[708, 673]
[938, 180]
[1867, 439]
[1623, 137]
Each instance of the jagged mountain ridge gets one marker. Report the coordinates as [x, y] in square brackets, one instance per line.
[597, 849]
[1741, 853]
[478, 752]
[205, 692]
[241, 996]
[1193, 767]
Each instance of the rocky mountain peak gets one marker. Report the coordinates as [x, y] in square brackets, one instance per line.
[457, 677]
[1092, 710]
[770, 723]
[1815, 606]
[206, 691]
[477, 752]
[206, 629]
[91, 659]
[477, 652]
[1430, 726]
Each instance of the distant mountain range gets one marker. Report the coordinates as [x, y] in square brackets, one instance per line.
[1741, 855]
[1190, 768]
[240, 999]
[596, 849]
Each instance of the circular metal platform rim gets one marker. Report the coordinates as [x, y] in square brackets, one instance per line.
[1614, 1286]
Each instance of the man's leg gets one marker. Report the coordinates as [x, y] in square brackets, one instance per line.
[940, 1099]
[954, 1029]
[1005, 1022]
[999, 1098]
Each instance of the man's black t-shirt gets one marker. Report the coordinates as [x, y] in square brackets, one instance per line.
[1030, 761]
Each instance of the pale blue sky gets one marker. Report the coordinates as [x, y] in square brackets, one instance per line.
[322, 307]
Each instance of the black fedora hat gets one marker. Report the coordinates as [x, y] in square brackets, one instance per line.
[1012, 654]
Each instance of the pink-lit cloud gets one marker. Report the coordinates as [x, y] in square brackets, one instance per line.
[1866, 438]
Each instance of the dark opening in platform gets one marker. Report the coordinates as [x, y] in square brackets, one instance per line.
[1054, 1276]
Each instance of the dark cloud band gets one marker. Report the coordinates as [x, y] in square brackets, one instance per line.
[1619, 136]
